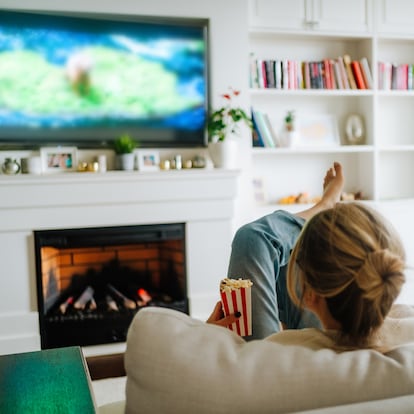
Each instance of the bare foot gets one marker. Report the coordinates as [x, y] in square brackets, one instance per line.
[333, 185]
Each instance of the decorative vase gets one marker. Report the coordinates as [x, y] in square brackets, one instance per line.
[224, 154]
[10, 166]
[125, 162]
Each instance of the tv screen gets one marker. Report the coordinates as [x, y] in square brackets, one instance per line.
[84, 79]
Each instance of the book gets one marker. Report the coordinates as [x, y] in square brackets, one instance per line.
[366, 73]
[261, 73]
[350, 75]
[332, 74]
[327, 74]
[306, 75]
[257, 139]
[314, 73]
[263, 127]
[270, 130]
[357, 72]
[278, 74]
[410, 77]
[344, 76]
[285, 74]
[270, 73]
[394, 77]
[384, 75]
[48, 381]
[338, 75]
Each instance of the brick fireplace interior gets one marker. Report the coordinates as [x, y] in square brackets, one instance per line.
[92, 281]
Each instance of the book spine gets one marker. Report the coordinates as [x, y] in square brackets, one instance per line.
[261, 73]
[307, 80]
[404, 76]
[410, 77]
[327, 73]
[348, 68]
[299, 74]
[342, 70]
[366, 73]
[257, 139]
[263, 128]
[332, 74]
[338, 75]
[321, 79]
[285, 74]
[394, 70]
[270, 73]
[272, 135]
[356, 70]
[278, 74]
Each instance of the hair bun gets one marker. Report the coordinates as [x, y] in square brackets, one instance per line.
[381, 271]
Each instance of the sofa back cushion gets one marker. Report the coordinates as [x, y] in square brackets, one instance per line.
[177, 364]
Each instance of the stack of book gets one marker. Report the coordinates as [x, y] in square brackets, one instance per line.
[263, 132]
[395, 77]
[339, 73]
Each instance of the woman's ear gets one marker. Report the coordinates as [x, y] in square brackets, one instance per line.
[311, 299]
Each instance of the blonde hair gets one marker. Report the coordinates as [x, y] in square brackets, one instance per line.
[351, 256]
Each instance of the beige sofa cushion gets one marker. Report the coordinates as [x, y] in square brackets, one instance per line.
[177, 364]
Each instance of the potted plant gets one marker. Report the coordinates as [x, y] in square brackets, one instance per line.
[289, 134]
[222, 126]
[124, 147]
[290, 121]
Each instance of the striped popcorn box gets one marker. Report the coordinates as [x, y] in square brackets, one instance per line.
[236, 296]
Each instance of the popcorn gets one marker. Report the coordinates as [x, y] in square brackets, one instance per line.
[236, 296]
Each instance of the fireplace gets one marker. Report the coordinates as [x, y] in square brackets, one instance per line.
[92, 281]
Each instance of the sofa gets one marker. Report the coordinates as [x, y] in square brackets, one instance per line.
[177, 364]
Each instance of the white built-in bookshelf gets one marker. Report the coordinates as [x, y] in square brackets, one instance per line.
[382, 168]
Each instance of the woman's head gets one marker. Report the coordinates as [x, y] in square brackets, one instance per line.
[351, 256]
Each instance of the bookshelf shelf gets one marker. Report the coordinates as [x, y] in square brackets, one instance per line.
[387, 156]
[394, 93]
[317, 92]
[322, 150]
[397, 148]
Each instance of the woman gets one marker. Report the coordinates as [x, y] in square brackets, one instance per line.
[345, 268]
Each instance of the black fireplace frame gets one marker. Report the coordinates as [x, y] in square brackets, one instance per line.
[117, 327]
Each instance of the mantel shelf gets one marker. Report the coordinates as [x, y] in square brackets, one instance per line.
[117, 176]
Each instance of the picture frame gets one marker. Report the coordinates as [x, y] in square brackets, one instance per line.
[58, 159]
[259, 191]
[317, 131]
[148, 160]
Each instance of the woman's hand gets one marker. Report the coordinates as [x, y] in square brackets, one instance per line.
[217, 317]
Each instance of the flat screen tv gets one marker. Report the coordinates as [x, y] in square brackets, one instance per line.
[84, 79]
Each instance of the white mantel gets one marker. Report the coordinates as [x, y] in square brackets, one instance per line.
[202, 199]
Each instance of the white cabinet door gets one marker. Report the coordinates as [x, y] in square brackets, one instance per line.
[315, 15]
[396, 17]
[278, 14]
[342, 16]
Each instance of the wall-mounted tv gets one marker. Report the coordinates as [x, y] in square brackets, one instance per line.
[84, 79]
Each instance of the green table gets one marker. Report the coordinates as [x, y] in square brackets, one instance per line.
[44, 382]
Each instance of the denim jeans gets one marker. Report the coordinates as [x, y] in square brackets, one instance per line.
[260, 252]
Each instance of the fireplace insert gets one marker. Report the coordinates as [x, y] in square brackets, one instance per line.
[92, 281]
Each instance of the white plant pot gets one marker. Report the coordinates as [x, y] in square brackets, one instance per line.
[289, 139]
[125, 162]
[224, 154]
